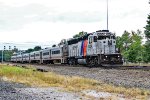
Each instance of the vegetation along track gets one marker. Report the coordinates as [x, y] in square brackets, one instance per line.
[127, 76]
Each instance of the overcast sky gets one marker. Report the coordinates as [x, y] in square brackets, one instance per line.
[26, 23]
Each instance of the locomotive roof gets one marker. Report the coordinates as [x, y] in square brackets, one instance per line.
[102, 31]
[76, 40]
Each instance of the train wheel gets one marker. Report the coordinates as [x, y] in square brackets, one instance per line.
[91, 62]
[71, 62]
[96, 61]
[74, 62]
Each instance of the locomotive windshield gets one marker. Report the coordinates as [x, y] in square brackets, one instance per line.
[113, 37]
[103, 37]
[106, 37]
[95, 38]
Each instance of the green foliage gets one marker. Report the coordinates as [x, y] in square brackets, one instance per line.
[147, 45]
[6, 55]
[130, 44]
[146, 51]
[80, 34]
[119, 42]
[7, 70]
[36, 48]
[147, 28]
[123, 41]
[29, 50]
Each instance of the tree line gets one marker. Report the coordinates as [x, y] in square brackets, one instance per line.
[132, 46]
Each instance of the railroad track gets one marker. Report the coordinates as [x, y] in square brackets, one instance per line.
[42, 66]
[136, 67]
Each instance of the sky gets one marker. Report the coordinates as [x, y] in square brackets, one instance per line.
[27, 23]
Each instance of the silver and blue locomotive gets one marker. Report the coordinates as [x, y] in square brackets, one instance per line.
[97, 48]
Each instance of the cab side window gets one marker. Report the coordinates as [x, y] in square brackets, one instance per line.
[95, 39]
[90, 40]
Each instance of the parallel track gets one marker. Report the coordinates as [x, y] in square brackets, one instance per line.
[136, 67]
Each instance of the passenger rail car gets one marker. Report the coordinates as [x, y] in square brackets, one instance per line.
[25, 57]
[93, 49]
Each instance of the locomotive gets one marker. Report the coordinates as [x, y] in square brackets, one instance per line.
[92, 49]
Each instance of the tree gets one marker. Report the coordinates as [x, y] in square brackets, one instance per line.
[119, 43]
[123, 41]
[146, 52]
[130, 44]
[6, 55]
[29, 50]
[147, 35]
[136, 48]
[37, 48]
[15, 50]
[80, 34]
[147, 28]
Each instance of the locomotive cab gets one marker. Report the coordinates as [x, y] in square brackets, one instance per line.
[92, 45]
[101, 49]
[106, 48]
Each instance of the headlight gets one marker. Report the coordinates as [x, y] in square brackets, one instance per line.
[118, 56]
[106, 56]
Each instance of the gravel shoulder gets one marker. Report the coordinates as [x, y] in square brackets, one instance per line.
[16, 91]
[118, 77]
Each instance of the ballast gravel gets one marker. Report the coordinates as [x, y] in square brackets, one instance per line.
[16, 91]
[117, 76]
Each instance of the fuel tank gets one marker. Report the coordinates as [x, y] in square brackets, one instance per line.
[82, 61]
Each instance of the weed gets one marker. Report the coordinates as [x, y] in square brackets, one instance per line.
[42, 79]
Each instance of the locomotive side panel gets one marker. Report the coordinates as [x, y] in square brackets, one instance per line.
[32, 57]
[27, 57]
[45, 54]
[57, 55]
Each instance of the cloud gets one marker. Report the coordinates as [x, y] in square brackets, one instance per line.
[13, 18]
[15, 14]
[52, 20]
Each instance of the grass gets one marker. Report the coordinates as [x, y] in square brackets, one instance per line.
[48, 79]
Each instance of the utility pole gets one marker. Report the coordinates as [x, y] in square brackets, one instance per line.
[2, 56]
[3, 53]
[107, 14]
